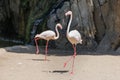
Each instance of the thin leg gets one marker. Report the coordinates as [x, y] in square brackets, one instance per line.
[37, 48]
[69, 58]
[72, 65]
[67, 61]
[46, 50]
[74, 46]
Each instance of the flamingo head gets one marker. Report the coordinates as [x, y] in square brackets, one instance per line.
[68, 13]
[59, 25]
[36, 37]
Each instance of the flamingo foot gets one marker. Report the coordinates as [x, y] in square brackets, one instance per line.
[65, 65]
[37, 52]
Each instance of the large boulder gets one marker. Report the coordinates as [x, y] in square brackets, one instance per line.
[98, 22]
[108, 22]
[82, 21]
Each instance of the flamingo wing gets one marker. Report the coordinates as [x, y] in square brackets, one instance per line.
[47, 35]
[74, 37]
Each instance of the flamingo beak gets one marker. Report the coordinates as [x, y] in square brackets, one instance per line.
[36, 38]
[66, 14]
[61, 27]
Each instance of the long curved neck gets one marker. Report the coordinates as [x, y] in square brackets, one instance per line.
[68, 28]
[56, 29]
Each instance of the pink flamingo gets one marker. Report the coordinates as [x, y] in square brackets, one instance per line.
[74, 38]
[47, 35]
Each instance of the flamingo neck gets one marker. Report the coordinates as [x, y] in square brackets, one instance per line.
[56, 29]
[68, 28]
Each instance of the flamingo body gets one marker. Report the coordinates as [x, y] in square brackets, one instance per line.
[74, 38]
[47, 35]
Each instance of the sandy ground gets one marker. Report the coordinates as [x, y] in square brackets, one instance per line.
[17, 64]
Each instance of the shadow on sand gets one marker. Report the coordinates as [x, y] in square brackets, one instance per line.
[57, 71]
[40, 60]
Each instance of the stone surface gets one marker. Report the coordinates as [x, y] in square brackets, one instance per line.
[98, 21]
[110, 25]
[82, 21]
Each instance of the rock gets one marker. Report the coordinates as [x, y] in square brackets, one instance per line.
[106, 46]
[110, 22]
[98, 21]
[118, 50]
[82, 21]
[59, 17]
[21, 49]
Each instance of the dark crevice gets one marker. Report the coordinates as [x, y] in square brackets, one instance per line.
[102, 17]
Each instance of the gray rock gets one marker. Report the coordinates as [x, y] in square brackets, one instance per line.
[82, 21]
[118, 50]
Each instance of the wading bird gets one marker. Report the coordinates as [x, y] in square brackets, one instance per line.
[74, 38]
[47, 35]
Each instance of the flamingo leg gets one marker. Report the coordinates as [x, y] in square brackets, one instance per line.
[67, 61]
[46, 50]
[74, 55]
[37, 48]
[73, 65]
[70, 57]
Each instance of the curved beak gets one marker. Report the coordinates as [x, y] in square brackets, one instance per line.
[36, 38]
[61, 27]
[66, 14]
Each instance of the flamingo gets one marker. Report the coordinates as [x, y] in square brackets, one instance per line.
[47, 35]
[74, 38]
